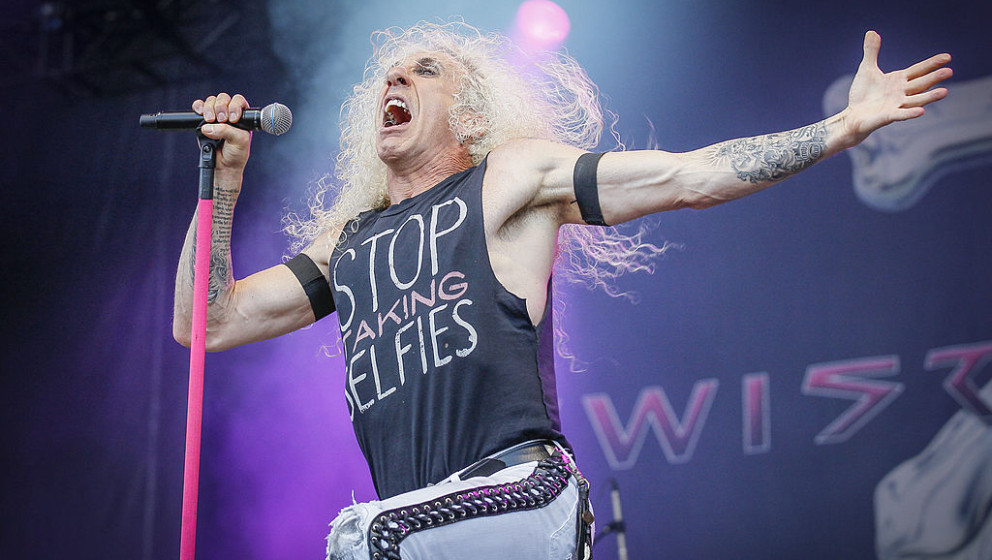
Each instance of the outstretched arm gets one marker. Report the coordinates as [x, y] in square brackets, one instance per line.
[636, 183]
[736, 168]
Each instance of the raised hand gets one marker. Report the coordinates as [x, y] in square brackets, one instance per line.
[222, 108]
[877, 98]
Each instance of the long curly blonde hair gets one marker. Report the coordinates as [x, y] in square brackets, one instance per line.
[503, 93]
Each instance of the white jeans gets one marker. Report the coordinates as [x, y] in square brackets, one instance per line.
[545, 533]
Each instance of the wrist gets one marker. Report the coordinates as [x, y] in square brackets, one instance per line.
[227, 180]
[844, 131]
[854, 129]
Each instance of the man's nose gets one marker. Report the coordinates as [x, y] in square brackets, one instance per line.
[397, 76]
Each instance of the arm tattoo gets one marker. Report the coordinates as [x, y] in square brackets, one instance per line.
[221, 276]
[775, 156]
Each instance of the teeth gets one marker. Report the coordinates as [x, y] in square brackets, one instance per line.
[391, 118]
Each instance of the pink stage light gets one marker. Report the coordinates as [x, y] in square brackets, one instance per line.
[542, 23]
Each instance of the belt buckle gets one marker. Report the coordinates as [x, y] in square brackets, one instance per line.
[509, 457]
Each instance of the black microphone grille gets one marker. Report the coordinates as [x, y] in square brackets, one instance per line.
[276, 119]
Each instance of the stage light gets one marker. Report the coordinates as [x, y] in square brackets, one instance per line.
[542, 23]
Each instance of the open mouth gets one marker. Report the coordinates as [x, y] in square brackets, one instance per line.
[395, 113]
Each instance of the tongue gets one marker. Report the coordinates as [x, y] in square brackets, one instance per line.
[396, 115]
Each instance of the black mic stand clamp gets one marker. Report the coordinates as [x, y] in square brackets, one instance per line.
[614, 527]
[207, 164]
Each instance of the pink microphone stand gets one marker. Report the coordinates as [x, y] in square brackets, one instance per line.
[194, 405]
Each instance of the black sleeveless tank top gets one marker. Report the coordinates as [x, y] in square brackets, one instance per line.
[443, 365]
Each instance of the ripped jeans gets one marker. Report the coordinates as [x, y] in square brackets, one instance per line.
[526, 511]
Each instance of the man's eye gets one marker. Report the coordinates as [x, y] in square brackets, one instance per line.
[426, 71]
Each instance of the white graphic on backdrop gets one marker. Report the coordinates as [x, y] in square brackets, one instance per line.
[897, 165]
[938, 504]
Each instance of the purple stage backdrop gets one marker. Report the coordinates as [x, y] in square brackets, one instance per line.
[805, 375]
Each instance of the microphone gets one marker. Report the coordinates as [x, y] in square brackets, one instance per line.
[618, 525]
[275, 118]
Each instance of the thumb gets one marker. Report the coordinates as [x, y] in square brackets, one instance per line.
[220, 131]
[873, 42]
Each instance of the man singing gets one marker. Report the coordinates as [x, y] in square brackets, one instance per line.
[456, 174]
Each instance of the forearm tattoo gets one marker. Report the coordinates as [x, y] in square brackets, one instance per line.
[221, 276]
[774, 156]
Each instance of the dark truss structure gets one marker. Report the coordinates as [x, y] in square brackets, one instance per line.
[100, 48]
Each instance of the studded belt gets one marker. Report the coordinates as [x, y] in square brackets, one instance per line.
[540, 488]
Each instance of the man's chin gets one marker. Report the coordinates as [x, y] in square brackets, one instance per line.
[391, 154]
[390, 147]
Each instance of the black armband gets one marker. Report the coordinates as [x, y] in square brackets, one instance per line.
[587, 189]
[314, 284]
